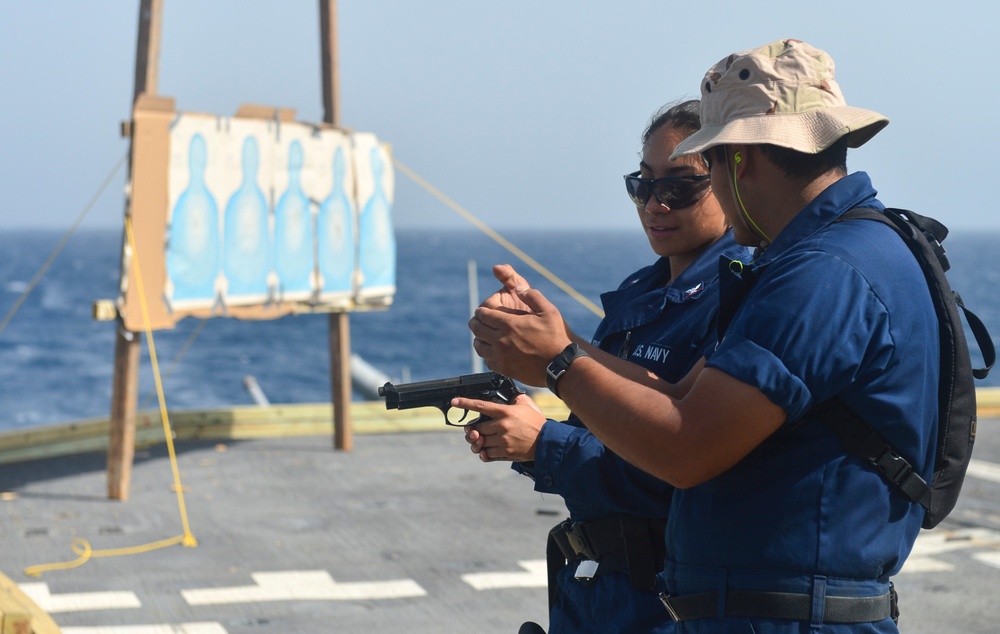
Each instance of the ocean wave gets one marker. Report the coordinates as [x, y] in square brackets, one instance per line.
[58, 362]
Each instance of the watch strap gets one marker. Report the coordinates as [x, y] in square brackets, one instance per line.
[560, 364]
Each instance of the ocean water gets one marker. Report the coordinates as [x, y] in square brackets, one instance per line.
[56, 362]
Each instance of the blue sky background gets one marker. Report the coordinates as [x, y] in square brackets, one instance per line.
[526, 112]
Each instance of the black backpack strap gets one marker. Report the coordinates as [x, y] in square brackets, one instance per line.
[862, 440]
[983, 339]
[935, 233]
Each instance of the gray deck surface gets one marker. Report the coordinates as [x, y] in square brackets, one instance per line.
[410, 508]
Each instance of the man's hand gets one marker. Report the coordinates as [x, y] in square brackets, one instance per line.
[507, 298]
[519, 342]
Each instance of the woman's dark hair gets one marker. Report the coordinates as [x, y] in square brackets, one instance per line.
[684, 116]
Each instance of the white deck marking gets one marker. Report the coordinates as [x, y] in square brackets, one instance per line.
[78, 601]
[990, 559]
[184, 628]
[937, 542]
[925, 564]
[533, 576]
[984, 470]
[303, 585]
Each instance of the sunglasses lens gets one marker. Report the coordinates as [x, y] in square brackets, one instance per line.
[638, 190]
[675, 192]
[680, 194]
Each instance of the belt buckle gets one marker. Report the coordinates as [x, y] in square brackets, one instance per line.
[586, 570]
[665, 600]
[893, 603]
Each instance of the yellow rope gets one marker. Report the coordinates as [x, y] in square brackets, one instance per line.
[479, 224]
[188, 539]
[62, 243]
[80, 546]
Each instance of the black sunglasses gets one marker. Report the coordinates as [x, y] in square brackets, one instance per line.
[676, 192]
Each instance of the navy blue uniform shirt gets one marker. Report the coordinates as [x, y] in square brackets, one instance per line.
[840, 308]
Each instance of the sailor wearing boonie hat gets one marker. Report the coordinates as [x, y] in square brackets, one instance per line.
[795, 535]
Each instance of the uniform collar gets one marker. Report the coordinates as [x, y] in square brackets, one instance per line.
[701, 273]
[854, 190]
[649, 282]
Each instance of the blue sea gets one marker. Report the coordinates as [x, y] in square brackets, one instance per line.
[56, 362]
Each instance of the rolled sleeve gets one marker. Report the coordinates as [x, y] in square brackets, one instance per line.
[754, 365]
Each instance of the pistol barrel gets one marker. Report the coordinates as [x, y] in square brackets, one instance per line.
[439, 392]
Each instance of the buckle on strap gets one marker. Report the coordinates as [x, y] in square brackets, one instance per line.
[593, 539]
[894, 600]
[576, 535]
[665, 600]
[779, 605]
[691, 606]
[900, 472]
[557, 536]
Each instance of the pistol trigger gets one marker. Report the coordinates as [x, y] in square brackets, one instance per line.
[447, 420]
[465, 413]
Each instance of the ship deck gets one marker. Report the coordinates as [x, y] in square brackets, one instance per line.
[406, 532]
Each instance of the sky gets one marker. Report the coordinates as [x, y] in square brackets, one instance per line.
[524, 112]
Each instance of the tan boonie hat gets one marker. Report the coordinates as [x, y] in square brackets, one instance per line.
[782, 93]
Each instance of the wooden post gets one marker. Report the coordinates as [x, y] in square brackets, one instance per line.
[328, 61]
[124, 398]
[147, 49]
[340, 379]
[339, 323]
[125, 386]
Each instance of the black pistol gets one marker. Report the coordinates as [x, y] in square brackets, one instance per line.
[485, 386]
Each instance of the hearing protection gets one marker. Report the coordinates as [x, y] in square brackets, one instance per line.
[737, 159]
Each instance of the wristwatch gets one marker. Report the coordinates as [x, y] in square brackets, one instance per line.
[560, 364]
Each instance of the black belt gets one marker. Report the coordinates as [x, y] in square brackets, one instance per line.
[781, 605]
[616, 543]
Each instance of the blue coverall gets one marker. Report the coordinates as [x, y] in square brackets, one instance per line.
[839, 308]
[665, 329]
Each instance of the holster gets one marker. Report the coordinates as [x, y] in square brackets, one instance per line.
[617, 542]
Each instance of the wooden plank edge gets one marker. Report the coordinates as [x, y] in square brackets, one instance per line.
[248, 422]
[25, 612]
